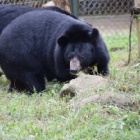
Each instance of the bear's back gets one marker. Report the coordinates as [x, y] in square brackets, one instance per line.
[46, 23]
[10, 12]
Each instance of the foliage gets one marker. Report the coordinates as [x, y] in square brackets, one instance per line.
[137, 17]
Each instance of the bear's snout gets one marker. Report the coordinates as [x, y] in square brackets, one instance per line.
[75, 65]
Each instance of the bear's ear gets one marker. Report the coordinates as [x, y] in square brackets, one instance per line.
[95, 33]
[63, 40]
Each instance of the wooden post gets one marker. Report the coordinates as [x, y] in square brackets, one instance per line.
[138, 31]
[137, 5]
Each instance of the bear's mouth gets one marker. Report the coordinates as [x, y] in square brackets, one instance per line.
[86, 70]
[74, 72]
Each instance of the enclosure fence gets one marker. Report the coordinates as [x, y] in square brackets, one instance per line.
[85, 7]
[104, 7]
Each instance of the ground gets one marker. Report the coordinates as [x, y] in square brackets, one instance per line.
[108, 25]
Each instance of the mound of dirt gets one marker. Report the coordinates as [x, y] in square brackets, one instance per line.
[81, 85]
[92, 89]
[115, 99]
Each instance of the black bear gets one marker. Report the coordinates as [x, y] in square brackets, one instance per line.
[35, 46]
[10, 12]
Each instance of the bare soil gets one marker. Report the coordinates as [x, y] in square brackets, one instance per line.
[108, 25]
[89, 89]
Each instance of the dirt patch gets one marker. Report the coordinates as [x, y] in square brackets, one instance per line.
[115, 99]
[84, 84]
[93, 89]
[109, 25]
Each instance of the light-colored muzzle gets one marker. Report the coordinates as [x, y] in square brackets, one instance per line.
[75, 65]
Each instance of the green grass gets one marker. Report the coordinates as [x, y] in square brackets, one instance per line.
[121, 40]
[48, 117]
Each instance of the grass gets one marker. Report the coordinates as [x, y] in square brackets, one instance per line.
[121, 40]
[48, 117]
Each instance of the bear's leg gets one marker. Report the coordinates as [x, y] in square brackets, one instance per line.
[32, 83]
[103, 69]
[16, 85]
[11, 86]
[35, 83]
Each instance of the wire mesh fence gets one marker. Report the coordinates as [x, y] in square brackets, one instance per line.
[104, 7]
[111, 17]
[86, 7]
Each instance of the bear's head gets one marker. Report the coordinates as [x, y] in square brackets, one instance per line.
[78, 49]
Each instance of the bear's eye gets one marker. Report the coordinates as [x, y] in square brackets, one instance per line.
[81, 59]
[69, 57]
